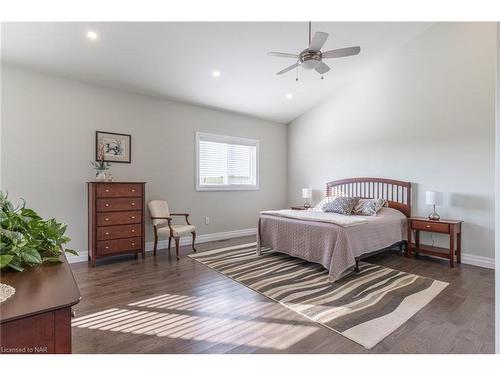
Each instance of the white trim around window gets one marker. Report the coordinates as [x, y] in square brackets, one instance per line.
[216, 172]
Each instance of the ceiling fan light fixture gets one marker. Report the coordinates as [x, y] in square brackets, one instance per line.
[310, 64]
[215, 73]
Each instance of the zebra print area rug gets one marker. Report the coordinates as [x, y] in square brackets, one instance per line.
[365, 307]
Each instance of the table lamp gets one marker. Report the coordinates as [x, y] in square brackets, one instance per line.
[307, 194]
[434, 198]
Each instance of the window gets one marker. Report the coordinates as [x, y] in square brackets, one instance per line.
[226, 163]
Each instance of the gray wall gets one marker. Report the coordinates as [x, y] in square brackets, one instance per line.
[425, 113]
[48, 135]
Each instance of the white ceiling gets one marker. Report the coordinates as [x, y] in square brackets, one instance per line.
[175, 60]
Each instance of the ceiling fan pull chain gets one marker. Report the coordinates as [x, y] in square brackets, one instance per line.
[297, 78]
[309, 33]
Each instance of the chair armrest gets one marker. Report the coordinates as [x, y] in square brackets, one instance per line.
[161, 218]
[185, 215]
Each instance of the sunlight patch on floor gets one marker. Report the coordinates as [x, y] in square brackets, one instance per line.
[215, 319]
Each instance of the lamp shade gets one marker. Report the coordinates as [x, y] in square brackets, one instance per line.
[307, 193]
[433, 197]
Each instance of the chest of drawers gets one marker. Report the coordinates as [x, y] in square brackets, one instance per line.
[116, 219]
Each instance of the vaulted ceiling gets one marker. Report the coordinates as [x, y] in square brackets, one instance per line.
[176, 60]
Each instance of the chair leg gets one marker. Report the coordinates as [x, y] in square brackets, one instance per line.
[156, 243]
[177, 247]
[194, 237]
[169, 243]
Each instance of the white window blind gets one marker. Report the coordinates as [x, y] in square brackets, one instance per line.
[226, 163]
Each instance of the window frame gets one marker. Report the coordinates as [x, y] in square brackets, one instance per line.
[210, 137]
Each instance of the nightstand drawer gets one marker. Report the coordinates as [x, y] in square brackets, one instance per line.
[430, 227]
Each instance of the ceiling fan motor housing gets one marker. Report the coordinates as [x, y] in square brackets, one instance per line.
[309, 59]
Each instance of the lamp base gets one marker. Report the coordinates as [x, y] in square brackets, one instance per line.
[434, 216]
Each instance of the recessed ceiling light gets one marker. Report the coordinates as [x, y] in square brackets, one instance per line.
[289, 96]
[215, 73]
[92, 35]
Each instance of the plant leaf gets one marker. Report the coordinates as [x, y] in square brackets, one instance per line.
[15, 267]
[71, 251]
[31, 256]
[5, 260]
[52, 260]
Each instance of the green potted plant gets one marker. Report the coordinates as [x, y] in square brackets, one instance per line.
[26, 239]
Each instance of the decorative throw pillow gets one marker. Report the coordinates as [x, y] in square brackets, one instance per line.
[325, 200]
[369, 207]
[320, 205]
[341, 205]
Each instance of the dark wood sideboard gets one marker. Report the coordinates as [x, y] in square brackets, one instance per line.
[116, 219]
[37, 318]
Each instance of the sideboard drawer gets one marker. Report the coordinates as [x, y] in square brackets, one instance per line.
[119, 218]
[118, 204]
[112, 190]
[117, 246]
[119, 231]
[430, 227]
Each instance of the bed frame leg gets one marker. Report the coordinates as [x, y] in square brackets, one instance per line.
[403, 245]
[356, 267]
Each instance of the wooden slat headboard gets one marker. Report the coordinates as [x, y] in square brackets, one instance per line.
[397, 193]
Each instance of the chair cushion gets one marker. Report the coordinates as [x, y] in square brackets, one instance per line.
[178, 229]
[158, 208]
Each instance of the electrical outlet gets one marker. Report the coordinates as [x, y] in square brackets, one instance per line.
[207, 220]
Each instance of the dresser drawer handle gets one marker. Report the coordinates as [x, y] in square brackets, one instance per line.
[106, 219]
[107, 205]
[133, 203]
[132, 190]
[427, 226]
[133, 230]
[106, 247]
[107, 233]
[132, 217]
[133, 243]
[106, 190]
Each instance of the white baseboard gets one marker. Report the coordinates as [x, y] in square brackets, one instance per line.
[163, 244]
[479, 261]
[78, 259]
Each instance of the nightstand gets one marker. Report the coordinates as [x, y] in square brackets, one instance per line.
[298, 208]
[453, 228]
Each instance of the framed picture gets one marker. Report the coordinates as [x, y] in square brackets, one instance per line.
[113, 147]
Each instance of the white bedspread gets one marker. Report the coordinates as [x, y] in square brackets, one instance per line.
[324, 217]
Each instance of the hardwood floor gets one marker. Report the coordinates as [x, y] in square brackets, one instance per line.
[198, 310]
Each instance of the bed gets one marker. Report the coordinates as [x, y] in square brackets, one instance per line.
[338, 242]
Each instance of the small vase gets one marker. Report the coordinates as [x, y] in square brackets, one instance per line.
[100, 176]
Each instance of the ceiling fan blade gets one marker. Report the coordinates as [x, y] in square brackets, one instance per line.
[341, 52]
[318, 40]
[322, 68]
[288, 69]
[282, 54]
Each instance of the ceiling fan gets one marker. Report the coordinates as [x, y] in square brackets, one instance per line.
[312, 57]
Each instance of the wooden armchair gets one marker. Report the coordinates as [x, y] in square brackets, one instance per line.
[161, 215]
